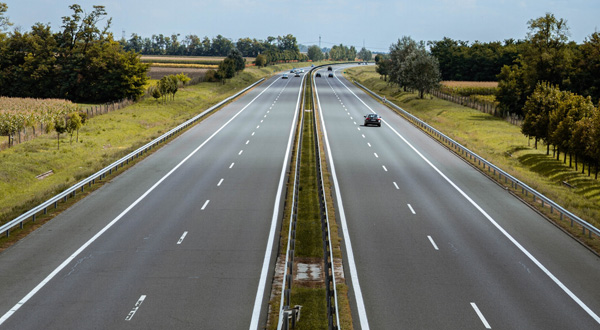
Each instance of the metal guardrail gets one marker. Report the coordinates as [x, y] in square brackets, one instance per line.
[285, 312]
[333, 315]
[31, 214]
[493, 170]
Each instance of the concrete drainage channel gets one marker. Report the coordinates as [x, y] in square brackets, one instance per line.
[307, 268]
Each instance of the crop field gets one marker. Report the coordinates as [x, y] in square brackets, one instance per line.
[468, 88]
[206, 60]
[17, 114]
[157, 72]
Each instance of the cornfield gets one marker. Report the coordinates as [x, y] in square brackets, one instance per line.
[468, 88]
[19, 113]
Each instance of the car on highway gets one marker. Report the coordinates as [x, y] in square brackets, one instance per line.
[330, 75]
[329, 68]
[297, 74]
[292, 70]
[318, 75]
[284, 76]
[373, 119]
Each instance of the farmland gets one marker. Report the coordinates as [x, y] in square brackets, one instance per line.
[19, 113]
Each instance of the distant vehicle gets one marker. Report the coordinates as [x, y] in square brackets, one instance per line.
[312, 65]
[329, 68]
[318, 75]
[373, 119]
[330, 75]
[284, 76]
[302, 70]
[297, 74]
[292, 70]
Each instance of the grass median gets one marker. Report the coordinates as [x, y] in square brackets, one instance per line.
[505, 146]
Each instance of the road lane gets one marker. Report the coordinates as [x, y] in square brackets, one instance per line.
[135, 275]
[408, 283]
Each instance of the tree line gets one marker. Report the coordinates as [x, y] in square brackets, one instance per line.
[273, 49]
[410, 65]
[81, 62]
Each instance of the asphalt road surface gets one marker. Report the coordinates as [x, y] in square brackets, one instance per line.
[431, 243]
[183, 240]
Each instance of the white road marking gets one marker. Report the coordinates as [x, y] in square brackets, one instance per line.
[411, 209]
[358, 128]
[376, 155]
[247, 141]
[257, 127]
[60, 267]
[265, 116]
[354, 123]
[491, 220]
[384, 168]
[135, 308]
[239, 153]
[433, 243]
[352, 118]
[219, 184]
[395, 185]
[230, 166]
[363, 136]
[182, 237]
[205, 203]
[485, 322]
[262, 120]
[253, 133]
[369, 144]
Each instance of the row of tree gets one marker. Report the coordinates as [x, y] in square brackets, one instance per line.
[192, 45]
[547, 56]
[410, 66]
[480, 61]
[81, 62]
[565, 120]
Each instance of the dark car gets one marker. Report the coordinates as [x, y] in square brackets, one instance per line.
[330, 75]
[318, 75]
[329, 68]
[373, 119]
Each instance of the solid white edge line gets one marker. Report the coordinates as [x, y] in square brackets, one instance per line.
[360, 304]
[182, 237]
[481, 317]
[432, 242]
[493, 222]
[115, 220]
[269, 249]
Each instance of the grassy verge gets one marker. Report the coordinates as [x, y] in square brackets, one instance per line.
[102, 140]
[502, 144]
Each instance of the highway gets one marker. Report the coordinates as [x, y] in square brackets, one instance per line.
[431, 243]
[186, 239]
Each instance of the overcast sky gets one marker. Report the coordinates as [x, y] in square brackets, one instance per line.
[374, 23]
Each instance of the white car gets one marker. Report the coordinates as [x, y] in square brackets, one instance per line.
[284, 76]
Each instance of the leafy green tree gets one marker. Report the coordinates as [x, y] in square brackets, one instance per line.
[399, 52]
[512, 90]
[572, 108]
[183, 78]
[421, 71]
[315, 53]
[365, 54]
[59, 127]
[586, 79]
[383, 68]
[73, 125]
[226, 69]
[537, 109]
[260, 60]
[156, 93]
[4, 22]
[238, 59]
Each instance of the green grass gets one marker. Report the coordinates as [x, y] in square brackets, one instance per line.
[500, 143]
[313, 315]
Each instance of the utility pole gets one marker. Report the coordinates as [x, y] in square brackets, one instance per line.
[319, 41]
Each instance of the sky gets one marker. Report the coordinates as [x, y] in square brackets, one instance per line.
[376, 24]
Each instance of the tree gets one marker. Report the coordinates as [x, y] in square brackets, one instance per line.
[315, 53]
[59, 127]
[544, 99]
[586, 80]
[399, 52]
[236, 56]
[421, 71]
[260, 61]
[571, 109]
[365, 54]
[512, 91]
[383, 67]
[226, 69]
[183, 78]
[4, 22]
[156, 93]
[73, 125]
